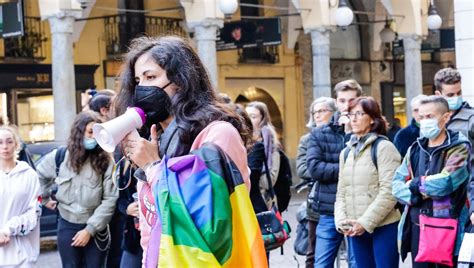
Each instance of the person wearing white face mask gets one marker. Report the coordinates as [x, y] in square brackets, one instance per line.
[432, 183]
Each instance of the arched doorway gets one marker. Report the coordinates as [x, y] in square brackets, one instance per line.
[260, 94]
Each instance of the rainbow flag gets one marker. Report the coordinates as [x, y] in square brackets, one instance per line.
[205, 215]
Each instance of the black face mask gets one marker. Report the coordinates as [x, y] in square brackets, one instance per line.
[154, 101]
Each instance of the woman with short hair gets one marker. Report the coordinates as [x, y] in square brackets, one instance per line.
[365, 207]
[320, 113]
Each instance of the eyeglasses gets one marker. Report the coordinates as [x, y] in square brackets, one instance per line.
[322, 111]
[356, 115]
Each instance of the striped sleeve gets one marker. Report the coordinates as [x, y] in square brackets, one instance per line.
[401, 181]
[454, 174]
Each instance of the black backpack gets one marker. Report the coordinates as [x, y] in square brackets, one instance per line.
[373, 151]
[283, 182]
[58, 159]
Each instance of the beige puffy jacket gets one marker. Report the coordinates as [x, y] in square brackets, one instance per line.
[363, 193]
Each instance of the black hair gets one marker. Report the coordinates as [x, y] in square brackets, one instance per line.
[100, 101]
[195, 103]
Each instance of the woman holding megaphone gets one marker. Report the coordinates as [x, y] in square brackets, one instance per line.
[166, 79]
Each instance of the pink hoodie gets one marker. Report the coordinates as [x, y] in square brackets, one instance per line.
[220, 133]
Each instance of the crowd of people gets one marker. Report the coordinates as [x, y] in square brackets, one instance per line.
[389, 199]
[381, 199]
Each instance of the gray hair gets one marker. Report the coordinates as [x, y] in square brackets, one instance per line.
[330, 104]
[440, 102]
[417, 99]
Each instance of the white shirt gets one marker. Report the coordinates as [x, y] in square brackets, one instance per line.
[19, 216]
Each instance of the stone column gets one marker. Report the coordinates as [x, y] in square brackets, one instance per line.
[205, 34]
[464, 35]
[320, 43]
[413, 75]
[64, 85]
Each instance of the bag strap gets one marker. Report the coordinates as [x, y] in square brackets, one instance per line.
[59, 157]
[373, 151]
[267, 175]
[347, 150]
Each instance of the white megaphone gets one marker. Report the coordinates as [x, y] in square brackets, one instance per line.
[111, 133]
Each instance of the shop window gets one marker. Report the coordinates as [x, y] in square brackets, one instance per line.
[36, 118]
[399, 105]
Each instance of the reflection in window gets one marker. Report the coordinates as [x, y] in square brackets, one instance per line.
[36, 118]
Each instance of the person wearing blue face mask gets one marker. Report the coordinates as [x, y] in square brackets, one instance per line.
[86, 196]
[432, 182]
[447, 83]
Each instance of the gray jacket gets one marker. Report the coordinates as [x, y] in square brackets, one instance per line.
[84, 198]
[301, 166]
[463, 121]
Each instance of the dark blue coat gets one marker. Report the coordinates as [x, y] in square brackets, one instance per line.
[406, 137]
[324, 146]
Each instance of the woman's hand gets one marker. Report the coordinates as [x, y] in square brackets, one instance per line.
[132, 209]
[472, 218]
[139, 150]
[81, 238]
[51, 204]
[4, 239]
[356, 229]
[346, 227]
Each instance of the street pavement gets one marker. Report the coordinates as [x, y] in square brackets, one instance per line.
[50, 259]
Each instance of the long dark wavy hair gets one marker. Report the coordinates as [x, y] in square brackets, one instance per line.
[195, 103]
[78, 155]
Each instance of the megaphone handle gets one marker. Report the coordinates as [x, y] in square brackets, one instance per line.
[135, 134]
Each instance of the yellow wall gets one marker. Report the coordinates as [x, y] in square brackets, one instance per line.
[287, 90]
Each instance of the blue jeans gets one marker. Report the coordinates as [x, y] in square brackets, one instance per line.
[328, 240]
[73, 257]
[378, 249]
[130, 260]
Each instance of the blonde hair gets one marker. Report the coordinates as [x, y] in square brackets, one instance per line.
[14, 131]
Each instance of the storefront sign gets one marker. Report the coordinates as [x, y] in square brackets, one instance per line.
[357, 70]
[40, 76]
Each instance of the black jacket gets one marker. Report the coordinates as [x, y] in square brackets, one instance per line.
[255, 158]
[406, 137]
[131, 236]
[324, 146]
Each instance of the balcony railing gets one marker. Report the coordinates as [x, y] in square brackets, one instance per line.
[30, 46]
[156, 26]
[117, 41]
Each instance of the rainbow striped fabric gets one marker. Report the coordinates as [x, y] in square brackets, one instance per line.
[206, 216]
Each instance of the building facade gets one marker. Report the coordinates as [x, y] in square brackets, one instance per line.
[283, 76]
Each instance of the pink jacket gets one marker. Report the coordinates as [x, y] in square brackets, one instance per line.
[220, 133]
